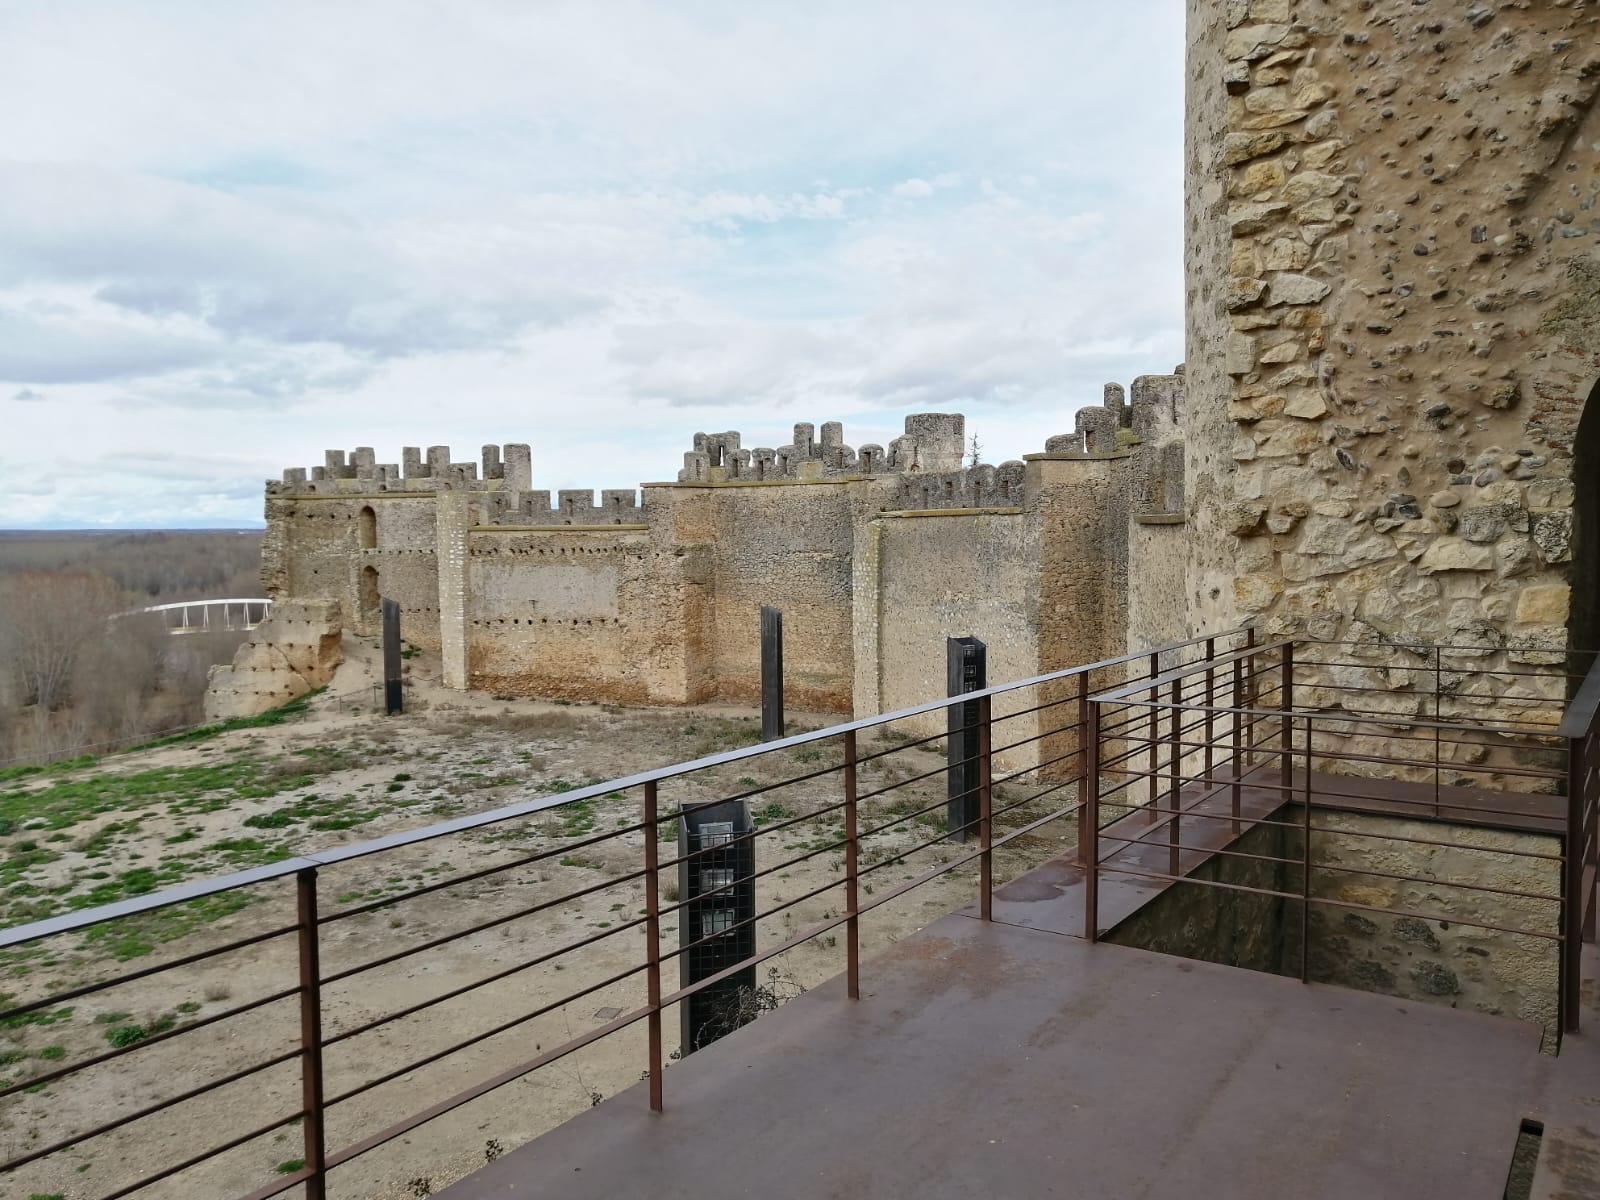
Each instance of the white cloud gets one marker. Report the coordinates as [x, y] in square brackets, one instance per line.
[237, 236]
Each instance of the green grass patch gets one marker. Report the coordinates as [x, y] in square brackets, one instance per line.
[577, 818]
[39, 1016]
[134, 937]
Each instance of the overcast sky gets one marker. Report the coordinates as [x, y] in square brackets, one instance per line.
[232, 235]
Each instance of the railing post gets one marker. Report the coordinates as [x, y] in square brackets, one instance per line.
[1085, 841]
[652, 933]
[1238, 737]
[1174, 787]
[1211, 717]
[1286, 741]
[1572, 854]
[311, 1107]
[852, 932]
[1091, 818]
[985, 809]
[1438, 696]
[1152, 805]
[1305, 868]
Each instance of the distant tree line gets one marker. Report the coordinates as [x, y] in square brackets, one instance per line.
[75, 669]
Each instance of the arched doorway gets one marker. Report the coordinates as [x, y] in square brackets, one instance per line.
[1583, 623]
[367, 529]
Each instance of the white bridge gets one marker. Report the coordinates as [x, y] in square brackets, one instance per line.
[199, 616]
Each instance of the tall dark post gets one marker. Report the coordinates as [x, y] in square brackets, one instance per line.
[393, 700]
[771, 673]
[717, 926]
[967, 664]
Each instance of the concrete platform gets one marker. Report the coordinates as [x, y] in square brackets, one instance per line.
[989, 1060]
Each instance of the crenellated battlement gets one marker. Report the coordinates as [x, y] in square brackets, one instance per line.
[508, 467]
[931, 442]
[1149, 426]
[576, 506]
[982, 486]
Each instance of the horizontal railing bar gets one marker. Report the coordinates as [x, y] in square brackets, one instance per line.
[268, 1190]
[1460, 887]
[684, 948]
[152, 1040]
[1146, 839]
[505, 919]
[1193, 810]
[144, 972]
[1127, 690]
[1348, 718]
[1298, 752]
[196, 1160]
[1037, 823]
[526, 860]
[1456, 668]
[151, 1109]
[495, 1031]
[1049, 762]
[1112, 868]
[439, 1109]
[84, 918]
[899, 746]
[1461, 813]
[345, 1035]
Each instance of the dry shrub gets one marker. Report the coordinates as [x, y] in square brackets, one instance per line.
[534, 723]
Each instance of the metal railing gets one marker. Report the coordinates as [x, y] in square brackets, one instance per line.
[236, 613]
[1294, 736]
[873, 799]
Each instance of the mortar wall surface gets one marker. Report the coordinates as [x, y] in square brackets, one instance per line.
[958, 575]
[1394, 316]
[789, 546]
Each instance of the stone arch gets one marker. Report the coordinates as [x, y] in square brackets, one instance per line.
[371, 599]
[367, 529]
[1583, 623]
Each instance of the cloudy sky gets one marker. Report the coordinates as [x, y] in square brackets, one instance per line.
[232, 235]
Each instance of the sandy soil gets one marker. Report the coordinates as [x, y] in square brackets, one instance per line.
[450, 754]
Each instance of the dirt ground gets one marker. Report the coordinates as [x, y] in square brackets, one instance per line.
[343, 773]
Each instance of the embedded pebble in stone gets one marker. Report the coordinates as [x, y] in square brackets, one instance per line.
[1444, 499]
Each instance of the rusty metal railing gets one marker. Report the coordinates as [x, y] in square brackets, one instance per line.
[327, 1085]
[1429, 734]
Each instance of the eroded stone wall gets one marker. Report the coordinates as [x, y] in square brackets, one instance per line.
[1381, 442]
[294, 651]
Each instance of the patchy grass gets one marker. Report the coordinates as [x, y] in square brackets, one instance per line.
[198, 788]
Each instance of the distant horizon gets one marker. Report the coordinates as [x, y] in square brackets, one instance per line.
[228, 528]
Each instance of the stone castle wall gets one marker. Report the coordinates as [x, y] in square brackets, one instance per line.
[874, 555]
[1394, 319]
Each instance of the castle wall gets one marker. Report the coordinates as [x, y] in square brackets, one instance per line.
[875, 556]
[312, 551]
[788, 545]
[955, 573]
[559, 613]
[1408, 201]
[1158, 556]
